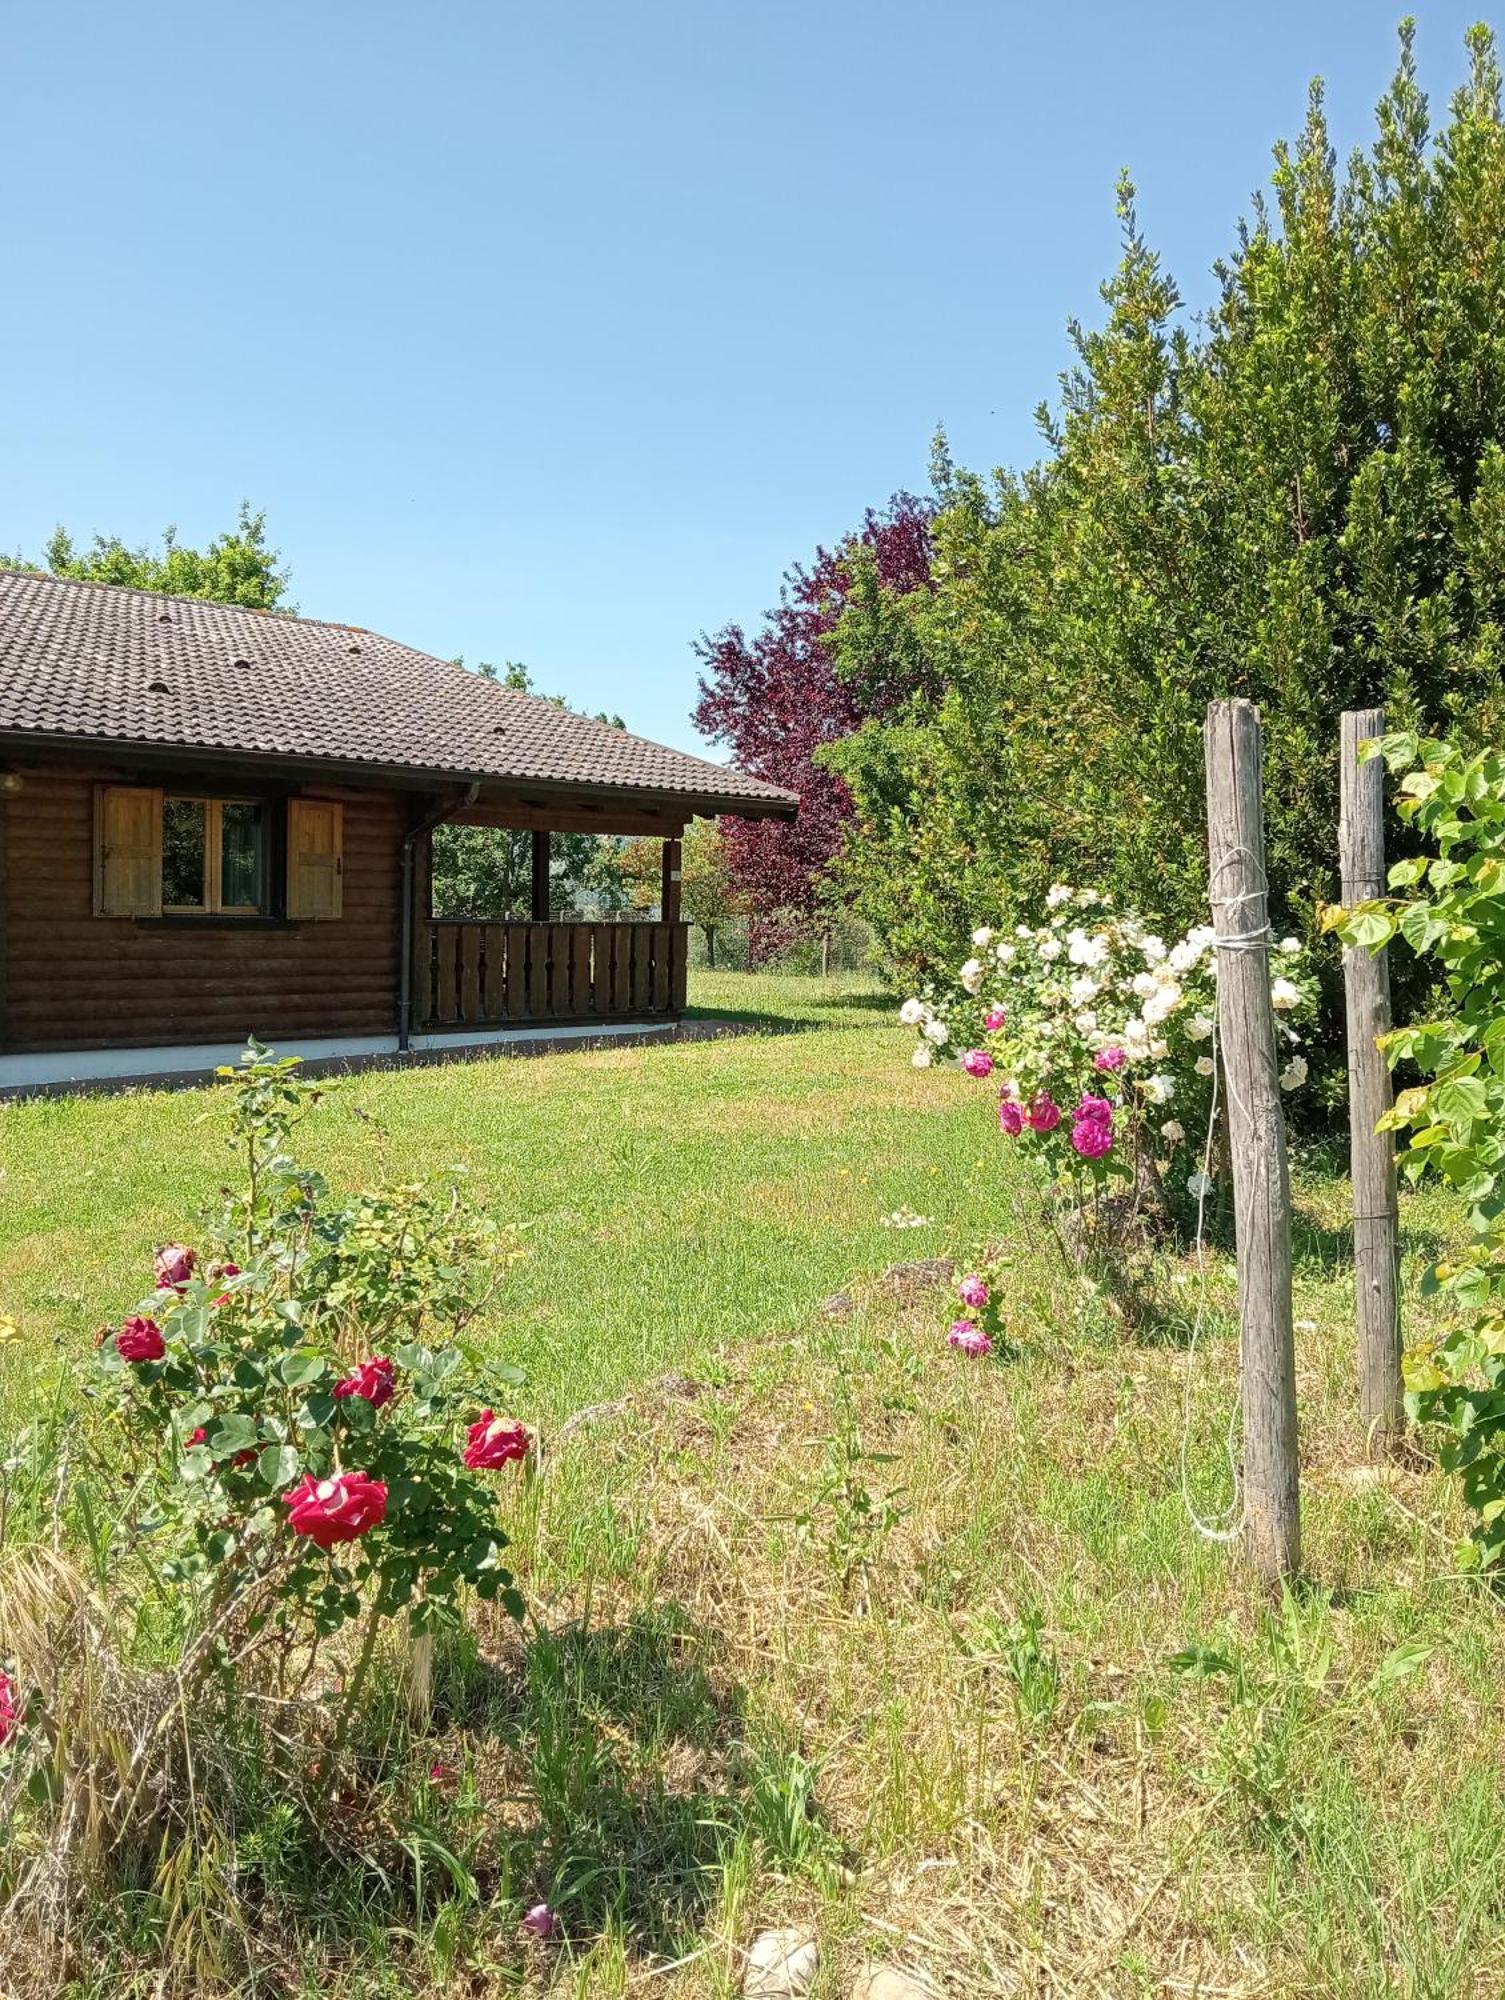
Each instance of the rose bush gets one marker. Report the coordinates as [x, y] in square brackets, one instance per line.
[297, 1400]
[1098, 1038]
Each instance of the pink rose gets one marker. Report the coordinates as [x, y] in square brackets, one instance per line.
[1092, 1137]
[375, 1381]
[494, 1441]
[1010, 1117]
[140, 1340]
[341, 1508]
[977, 1062]
[1044, 1114]
[968, 1339]
[1109, 1059]
[1096, 1108]
[173, 1265]
[994, 1019]
[10, 1710]
[540, 1920]
[973, 1293]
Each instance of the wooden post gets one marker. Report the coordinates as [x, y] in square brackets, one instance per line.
[825, 954]
[669, 902]
[1366, 987]
[540, 903]
[1261, 1187]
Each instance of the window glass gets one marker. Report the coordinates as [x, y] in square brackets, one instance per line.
[183, 855]
[240, 856]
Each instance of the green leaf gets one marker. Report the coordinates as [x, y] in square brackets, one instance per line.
[302, 1366]
[279, 1465]
[230, 1435]
[1407, 1658]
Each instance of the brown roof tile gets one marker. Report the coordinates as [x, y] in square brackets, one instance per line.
[97, 661]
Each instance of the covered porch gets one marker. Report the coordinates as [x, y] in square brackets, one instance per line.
[545, 969]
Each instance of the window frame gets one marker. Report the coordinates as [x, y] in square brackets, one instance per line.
[213, 904]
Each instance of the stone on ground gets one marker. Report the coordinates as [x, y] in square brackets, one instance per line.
[781, 1965]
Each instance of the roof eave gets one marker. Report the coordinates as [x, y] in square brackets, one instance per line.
[408, 777]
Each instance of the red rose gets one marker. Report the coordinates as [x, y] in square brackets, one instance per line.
[140, 1340]
[173, 1265]
[341, 1508]
[494, 1441]
[220, 1272]
[375, 1380]
[10, 1710]
[199, 1436]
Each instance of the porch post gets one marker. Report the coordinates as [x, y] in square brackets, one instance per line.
[540, 876]
[669, 902]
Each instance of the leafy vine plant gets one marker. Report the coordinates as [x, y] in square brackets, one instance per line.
[1450, 908]
[295, 1430]
[1098, 1038]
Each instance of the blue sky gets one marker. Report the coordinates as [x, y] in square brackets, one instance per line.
[553, 332]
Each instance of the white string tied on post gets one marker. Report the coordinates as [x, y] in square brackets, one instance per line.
[1229, 1525]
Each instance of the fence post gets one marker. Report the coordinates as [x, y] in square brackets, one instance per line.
[1366, 989]
[1261, 1188]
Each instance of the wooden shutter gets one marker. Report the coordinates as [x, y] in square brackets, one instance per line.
[315, 858]
[127, 851]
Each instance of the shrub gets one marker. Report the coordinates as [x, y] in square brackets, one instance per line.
[1454, 1120]
[1099, 1040]
[300, 1434]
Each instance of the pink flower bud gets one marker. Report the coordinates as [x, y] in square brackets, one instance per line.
[540, 1920]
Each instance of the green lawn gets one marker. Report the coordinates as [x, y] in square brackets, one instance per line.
[673, 1199]
[1041, 1737]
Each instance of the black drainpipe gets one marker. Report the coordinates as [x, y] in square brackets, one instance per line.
[409, 841]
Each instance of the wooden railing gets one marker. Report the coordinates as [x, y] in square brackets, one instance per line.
[470, 975]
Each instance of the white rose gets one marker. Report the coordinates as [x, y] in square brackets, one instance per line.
[1294, 1074]
[1023, 931]
[1083, 989]
[982, 937]
[1084, 950]
[1199, 1185]
[1085, 1023]
[1144, 984]
[1086, 898]
[912, 1013]
[971, 975]
[1172, 1132]
[1160, 1088]
[1205, 1064]
[921, 1056]
[1183, 956]
[937, 1032]
[1057, 895]
[1162, 1004]
[1285, 994]
[1290, 946]
[1199, 1027]
[1160, 1048]
[1153, 949]
[1005, 952]
[1050, 950]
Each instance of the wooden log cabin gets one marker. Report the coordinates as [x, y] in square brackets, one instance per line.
[217, 822]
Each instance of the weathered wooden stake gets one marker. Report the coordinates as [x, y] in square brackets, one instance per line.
[1366, 986]
[1256, 1125]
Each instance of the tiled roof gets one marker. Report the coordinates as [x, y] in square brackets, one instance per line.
[97, 661]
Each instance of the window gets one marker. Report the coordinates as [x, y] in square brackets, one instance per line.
[181, 854]
[213, 857]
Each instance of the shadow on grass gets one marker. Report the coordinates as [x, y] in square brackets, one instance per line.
[638, 1777]
[843, 1010]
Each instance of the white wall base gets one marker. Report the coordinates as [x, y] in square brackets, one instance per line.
[85, 1066]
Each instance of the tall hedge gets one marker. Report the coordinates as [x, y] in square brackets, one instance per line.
[1300, 498]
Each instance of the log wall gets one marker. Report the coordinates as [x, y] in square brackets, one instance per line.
[71, 980]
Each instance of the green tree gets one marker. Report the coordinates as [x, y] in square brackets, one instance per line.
[1301, 500]
[709, 895]
[236, 567]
